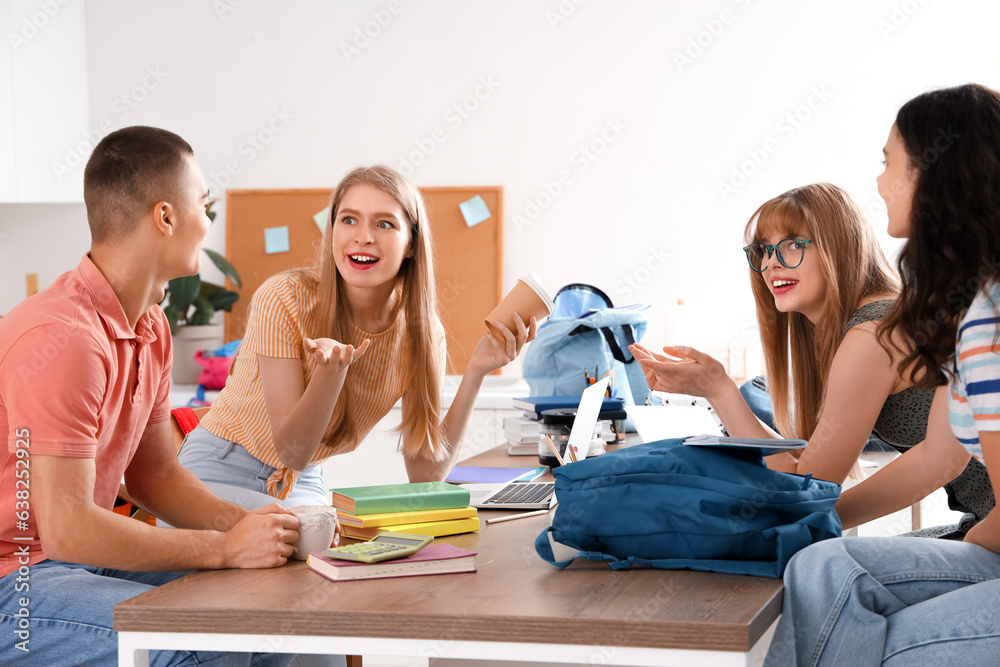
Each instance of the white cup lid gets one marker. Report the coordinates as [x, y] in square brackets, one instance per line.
[532, 281]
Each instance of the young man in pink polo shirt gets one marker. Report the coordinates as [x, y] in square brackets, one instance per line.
[84, 378]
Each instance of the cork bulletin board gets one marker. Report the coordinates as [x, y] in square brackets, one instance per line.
[268, 231]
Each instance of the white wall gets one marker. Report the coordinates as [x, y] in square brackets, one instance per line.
[645, 218]
[45, 239]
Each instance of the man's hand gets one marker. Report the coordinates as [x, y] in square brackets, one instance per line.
[264, 538]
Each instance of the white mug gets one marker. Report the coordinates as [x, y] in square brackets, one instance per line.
[317, 526]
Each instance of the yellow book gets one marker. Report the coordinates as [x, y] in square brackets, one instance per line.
[432, 528]
[396, 518]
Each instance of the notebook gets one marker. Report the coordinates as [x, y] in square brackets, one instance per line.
[437, 558]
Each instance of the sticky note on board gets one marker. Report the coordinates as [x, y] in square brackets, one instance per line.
[276, 240]
[321, 218]
[475, 211]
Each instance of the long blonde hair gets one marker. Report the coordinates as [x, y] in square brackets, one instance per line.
[417, 297]
[797, 353]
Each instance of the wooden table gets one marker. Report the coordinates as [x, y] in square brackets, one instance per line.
[516, 607]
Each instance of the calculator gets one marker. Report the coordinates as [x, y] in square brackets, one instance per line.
[384, 546]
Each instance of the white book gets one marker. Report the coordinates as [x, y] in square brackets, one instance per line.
[522, 448]
[522, 425]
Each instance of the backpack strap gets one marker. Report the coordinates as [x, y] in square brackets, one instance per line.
[543, 547]
[186, 419]
[616, 351]
[791, 538]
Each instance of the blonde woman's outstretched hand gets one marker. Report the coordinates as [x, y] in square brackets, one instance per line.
[681, 370]
[332, 356]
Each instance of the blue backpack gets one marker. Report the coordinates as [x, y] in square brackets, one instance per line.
[674, 506]
[586, 333]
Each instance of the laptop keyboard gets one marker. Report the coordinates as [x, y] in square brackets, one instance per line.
[521, 492]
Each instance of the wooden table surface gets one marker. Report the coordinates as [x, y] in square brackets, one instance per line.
[514, 596]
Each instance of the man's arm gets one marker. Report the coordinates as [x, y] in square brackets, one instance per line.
[157, 481]
[72, 528]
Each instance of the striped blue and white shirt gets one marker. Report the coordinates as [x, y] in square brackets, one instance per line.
[974, 399]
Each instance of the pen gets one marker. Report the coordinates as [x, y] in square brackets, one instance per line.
[525, 515]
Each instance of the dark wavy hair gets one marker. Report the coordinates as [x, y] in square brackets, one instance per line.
[952, 136]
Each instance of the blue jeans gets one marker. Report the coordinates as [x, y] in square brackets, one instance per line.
[234, 474]
[69, 618]
[890, 601]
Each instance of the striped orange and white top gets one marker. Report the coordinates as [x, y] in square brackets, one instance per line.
[281, 315]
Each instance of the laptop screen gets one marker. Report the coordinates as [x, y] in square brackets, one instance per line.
[586, 417]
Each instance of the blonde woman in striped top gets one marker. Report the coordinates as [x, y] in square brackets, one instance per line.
[328, 350]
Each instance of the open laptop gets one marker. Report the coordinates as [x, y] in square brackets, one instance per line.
[541, 495]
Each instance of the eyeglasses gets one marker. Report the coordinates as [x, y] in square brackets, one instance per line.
[790, 253]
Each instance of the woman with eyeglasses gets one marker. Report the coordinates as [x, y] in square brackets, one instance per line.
[821, 283]
[897, 601]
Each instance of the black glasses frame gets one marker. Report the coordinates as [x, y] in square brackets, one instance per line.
[771, 250]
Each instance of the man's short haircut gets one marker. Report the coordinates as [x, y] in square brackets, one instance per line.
[130, 170]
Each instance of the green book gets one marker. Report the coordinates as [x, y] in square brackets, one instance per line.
[400, 497]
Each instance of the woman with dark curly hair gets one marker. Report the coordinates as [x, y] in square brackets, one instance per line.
[905, 601]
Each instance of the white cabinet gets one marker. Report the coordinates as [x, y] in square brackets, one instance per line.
[44, 135]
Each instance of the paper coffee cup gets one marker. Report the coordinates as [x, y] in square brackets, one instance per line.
[526, 299]
[317, 526]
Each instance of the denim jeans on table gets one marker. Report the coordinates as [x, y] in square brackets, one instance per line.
[234, 474]
[895, 601]
[69, 619]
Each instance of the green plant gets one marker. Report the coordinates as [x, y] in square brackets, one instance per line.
[192, 301]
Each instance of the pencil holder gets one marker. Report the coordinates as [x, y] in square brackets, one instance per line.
[556, 424]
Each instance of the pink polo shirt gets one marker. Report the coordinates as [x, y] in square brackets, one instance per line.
[75, 380]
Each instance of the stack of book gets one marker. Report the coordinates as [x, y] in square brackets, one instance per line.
[422, 508]
[522, 435]
[432, 559]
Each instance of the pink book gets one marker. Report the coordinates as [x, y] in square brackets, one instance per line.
[437, 558]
